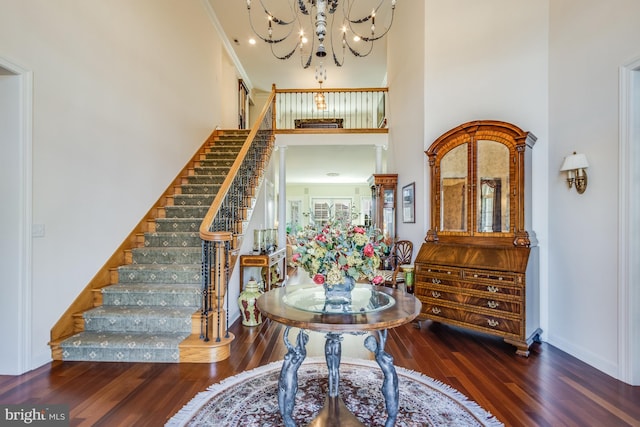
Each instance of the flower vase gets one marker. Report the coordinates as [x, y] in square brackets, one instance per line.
[339, 294]
[251, 316]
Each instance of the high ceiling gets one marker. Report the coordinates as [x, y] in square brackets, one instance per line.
[261, 70]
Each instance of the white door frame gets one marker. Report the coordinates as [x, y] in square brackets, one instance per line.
[25, 190]
[629, 228]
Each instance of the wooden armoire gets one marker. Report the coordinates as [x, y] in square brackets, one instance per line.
[478, 267]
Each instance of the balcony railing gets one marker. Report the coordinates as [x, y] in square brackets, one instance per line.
[332, 110]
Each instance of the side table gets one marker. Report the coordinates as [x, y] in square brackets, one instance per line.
[373, 309]
[264, 261]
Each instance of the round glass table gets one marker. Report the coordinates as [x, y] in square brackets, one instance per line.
[372, 310]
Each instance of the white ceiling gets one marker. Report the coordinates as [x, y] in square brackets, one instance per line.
[263, 69]
[307, 164]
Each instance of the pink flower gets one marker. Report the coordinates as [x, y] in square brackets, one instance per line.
[296, 257]
[368, 250]
[377, 280]
[318, 279]
[359, 230]
[321, 238]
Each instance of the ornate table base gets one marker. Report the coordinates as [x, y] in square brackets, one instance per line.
[334, 412]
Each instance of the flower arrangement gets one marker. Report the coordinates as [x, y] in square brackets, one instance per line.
[336, 252]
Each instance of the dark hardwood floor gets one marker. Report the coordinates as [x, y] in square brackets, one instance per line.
[550, 388]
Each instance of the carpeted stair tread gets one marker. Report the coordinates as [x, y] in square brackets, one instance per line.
[212, 170]
[206, 179]
[193, 200]
[139, 319]
[200, 188]
[160, 295]
[177, 224]
[215, 163]
[184, 211]
[129, 347]
[159, 273]
[167, 255]
[173, 239]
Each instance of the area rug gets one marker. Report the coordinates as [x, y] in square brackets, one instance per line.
[251, 398]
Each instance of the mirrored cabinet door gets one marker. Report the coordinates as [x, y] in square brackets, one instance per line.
[454, 187]
[477, 184]
[492, 182]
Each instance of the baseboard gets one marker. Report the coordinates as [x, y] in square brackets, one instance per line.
[608, 367]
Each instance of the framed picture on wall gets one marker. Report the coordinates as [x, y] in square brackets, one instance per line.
[408, 203]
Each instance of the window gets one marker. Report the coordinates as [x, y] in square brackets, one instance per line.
[294, 212]
[325, 210]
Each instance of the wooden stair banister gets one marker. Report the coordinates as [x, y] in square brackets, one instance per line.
[222, 224]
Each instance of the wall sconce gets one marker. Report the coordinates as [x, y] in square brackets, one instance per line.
[575, 165]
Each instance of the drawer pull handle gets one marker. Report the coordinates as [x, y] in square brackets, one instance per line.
[499, 277]
[493, 323]
[493, 304]
[436, 281]
[493, 289]
[435, 294]
[435, 310]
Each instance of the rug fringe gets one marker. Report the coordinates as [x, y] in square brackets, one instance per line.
[474, 408]
[200, 399]
[196, 403]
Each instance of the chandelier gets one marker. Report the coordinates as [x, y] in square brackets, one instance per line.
[319, 99]
[352, 27]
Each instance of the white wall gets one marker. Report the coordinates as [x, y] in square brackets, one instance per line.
[124, 93]
[488, 61]
[551, 69]
[406, 81]
[589, 41]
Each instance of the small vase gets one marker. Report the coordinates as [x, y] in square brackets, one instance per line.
[251, 316]
[340, 294]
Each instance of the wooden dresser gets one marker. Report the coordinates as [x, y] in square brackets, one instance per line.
[478, 267]
[481, 288]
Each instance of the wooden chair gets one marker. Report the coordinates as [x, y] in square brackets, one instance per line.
[401, 253]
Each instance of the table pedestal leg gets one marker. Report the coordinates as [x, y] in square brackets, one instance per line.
[390, 389]
[333, 353]
[288, 381]
[334, 413]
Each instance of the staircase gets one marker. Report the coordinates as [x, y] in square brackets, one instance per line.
[153, 303]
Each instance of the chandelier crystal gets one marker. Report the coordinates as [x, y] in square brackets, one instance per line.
[352, 26]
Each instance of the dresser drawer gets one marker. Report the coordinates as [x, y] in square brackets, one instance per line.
[496, 278]
[428, 280]
[493, 288]
[489, 289]
[488, 302]
[440, 272]
[463, 317]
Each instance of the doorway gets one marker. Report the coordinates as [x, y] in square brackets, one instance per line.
[15, 227]
[629, 224]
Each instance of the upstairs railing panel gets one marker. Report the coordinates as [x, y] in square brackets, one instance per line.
[330, 109]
